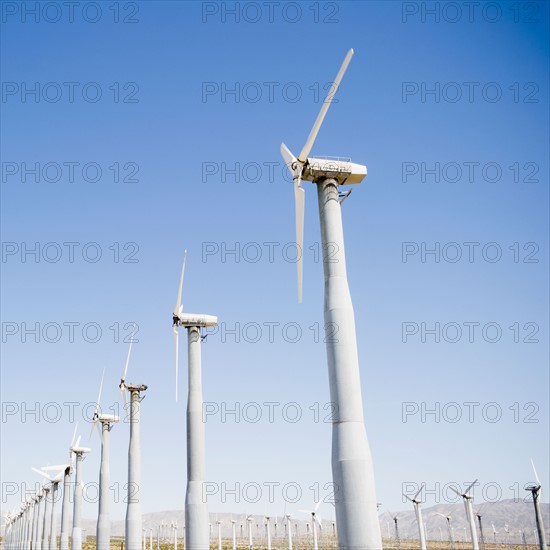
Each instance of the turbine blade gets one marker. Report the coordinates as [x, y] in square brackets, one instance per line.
[57, 467]
[299, 200]
[176, 346]
[467, 491]
[317, 506]
[419, 491]
[457, 492]
[47, 476]
[302, 157]
[78, 441]
[288, 157]
[123, 379]
[178, 302]
[74, 434]
[535, 471]
[100, 389]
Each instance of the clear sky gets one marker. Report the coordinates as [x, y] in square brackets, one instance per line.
[156, 128]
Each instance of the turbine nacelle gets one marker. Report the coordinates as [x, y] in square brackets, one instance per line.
[80, 450]
[110, 418]
[196, 320]
[343, 171]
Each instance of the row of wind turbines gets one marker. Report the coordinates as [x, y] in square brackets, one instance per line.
[352, 469]
[32, 527]
[471, 516]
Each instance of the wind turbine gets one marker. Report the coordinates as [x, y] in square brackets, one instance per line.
[133, 510]
[469, 513]
[268, 531]
[536, 491]
[219, 524]
[314, 522]
[52, 528]
[67, 469]
[495, 532]
[450, 531]
[395, 518]
[481, 536]
[103, 423]
[196, 507]
[418, 513]
[352, 469]
[249, 520]
[79, 452]
[289, 531]
[233, 534]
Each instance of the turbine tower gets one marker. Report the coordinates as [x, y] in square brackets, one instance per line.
[289, 531]
[536, 491]
[449, 529]
[469, 513]
[314, 522]
[196, 507]
[418, 513]
[133, 509]
[54, 486]
[352, 469]
[76, 539]
[104, 424]
[481, 536]
[395, 519]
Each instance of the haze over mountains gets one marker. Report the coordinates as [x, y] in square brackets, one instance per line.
[518, 515]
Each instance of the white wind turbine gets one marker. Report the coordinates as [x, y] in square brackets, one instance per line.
[481, 536]
[449, 529]
[395, 520]
[133, 510]
[79, 452]
[54, 486]
[495, 532]
[419, 521]
[536, 490]
[268, 531]
[219, 524]
[289, 531]
[103, 423]
[65, 506]
[469, 513]
[315, 521]
[196, 507]
[352, 469]
[249, 521]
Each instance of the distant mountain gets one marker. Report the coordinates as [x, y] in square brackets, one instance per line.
[518, 516]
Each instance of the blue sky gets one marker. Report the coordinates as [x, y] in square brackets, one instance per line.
[168, 118]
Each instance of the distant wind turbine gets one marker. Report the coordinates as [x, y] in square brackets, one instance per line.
[449, 530]
[469, 513]
[314, 522]
[196, 508]
[133, 509]
[536, 491]
[418, 512]
[79, 452]
[103, 423]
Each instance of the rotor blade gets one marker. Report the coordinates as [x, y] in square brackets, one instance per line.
[317, 506]
[178, 302]
[288, 157]
[457, 492]
[467, 491]
[78, 441]
[123, 379]
[407, 497]
[74, 434]
[99, 394]
[299, 200]
[56, 467]
[176, 345]
[419, 491]
[94, 423]
[47, 476]
[535, 471]
[326, 104]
